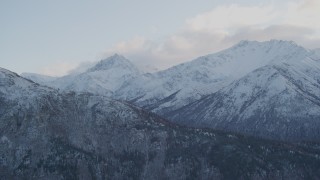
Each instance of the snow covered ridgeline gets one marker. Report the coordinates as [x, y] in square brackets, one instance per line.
[181, 86]
[170, 89]
[104, 78]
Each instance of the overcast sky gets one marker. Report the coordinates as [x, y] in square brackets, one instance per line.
[53, 37]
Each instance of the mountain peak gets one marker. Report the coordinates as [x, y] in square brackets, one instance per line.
[114, 61]
[272, 42]
[243, 43]
[282, 41]
[274, 49]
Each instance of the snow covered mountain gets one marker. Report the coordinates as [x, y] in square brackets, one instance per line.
[276, 82]
[279, 101]
[104, 78]
[168, 90]
[49, 134]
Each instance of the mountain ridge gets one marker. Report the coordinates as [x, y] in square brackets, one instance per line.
[275, 101]
[177, 88]
[67, 135]
[206, 74]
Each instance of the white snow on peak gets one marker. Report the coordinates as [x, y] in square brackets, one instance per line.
[104, 78]
[115, 61]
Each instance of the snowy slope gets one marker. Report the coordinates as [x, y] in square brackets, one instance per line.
[279, 101]
[180, 85]
[38, 78]
[317, 51]
[104, 78]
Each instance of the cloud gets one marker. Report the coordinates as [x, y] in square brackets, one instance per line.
[303, 13]
[57, 69]
[171, 50]
[82, 67]
[284, 32]
[226, 18]
[212, 31]
[224, 26]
